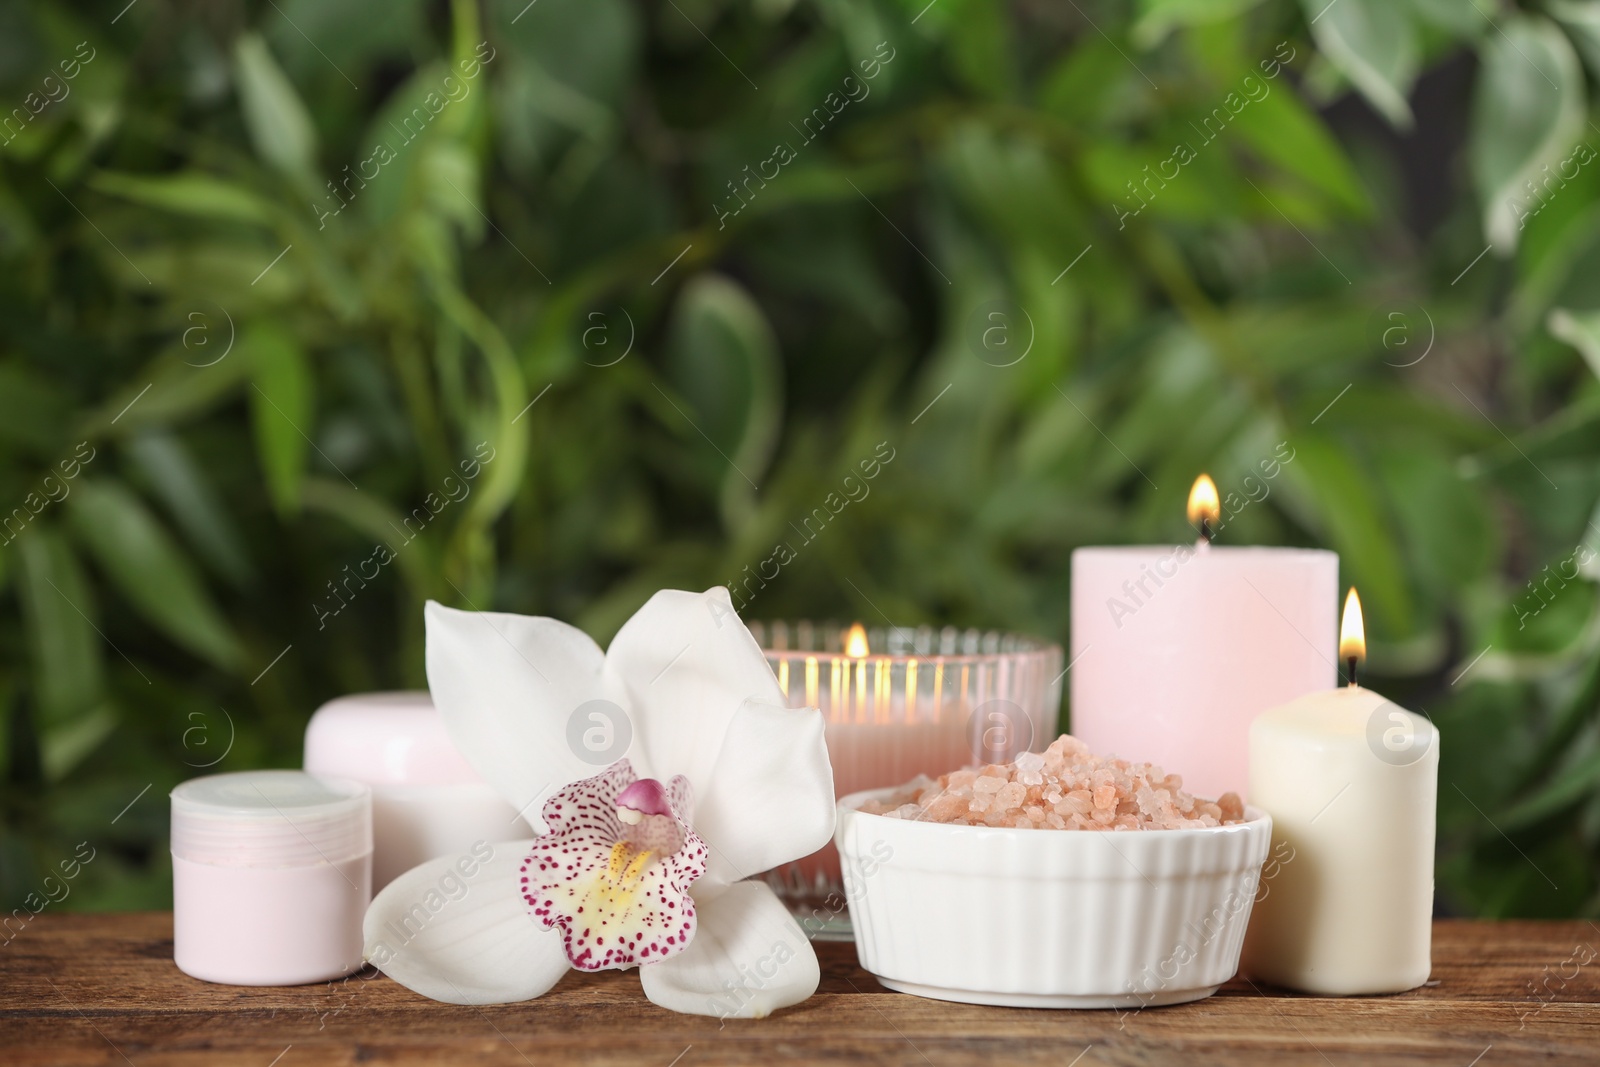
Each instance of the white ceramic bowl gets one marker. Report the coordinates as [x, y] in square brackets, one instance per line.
[1049, 918]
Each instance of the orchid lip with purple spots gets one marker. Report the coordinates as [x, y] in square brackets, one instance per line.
[613, 874]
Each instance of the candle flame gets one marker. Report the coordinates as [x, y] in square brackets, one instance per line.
[855, 642]
[1203, 502]
[1352, 630]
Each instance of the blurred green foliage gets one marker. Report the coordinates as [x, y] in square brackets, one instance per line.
[329, 309]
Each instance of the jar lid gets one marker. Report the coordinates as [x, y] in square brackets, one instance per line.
[271, 819]
[385, 739]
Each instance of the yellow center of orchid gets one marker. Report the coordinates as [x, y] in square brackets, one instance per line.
[610, 892]
[626, 867]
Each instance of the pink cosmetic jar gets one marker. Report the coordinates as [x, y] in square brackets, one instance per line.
[271, 875]
[427, 801]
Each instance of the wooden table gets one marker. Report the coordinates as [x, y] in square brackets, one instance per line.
[102, 989]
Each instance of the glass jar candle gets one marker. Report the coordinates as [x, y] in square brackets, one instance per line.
[427, 801]
[271, 875]
[902, 701]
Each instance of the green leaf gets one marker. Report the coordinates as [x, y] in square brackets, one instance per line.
[1120, 175]
[281, 409]
[183, 486]
[190, 193]
[280, 127]
[1527, 115]
[399, 132]
[450, 177]
[562, 68]
[63, 747]
[1558, 246]
[1372, 43]
[59, 610]
[1347, 514]
[723, 361]
[417, 556]
[1581, 330]
[1284, 131]
[1570, 717]
[1567, 787]
[183, 381]
[1158, 18]
[589, 45]
[1582, 21]
[495, 425]
[1468, 21]
[1551, 613]
[1087, 87]
[320, 36]
[146, 567]
[977, 34]
[222, 267]
[58, 613]
[1447, 523]
[33, 408]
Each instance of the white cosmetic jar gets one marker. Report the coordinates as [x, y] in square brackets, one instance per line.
[427, 801]
[271, 875]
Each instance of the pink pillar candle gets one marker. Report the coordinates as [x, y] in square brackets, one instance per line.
[1175, 649]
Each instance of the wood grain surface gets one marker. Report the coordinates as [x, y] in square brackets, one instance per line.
[102, 989]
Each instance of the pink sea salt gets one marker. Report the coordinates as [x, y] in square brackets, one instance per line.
[1065, 787]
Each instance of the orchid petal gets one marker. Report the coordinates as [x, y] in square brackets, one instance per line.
[683, 664]
[454, 929]
[768, 799]
[506, 687]
[748, 959]
[618, 890]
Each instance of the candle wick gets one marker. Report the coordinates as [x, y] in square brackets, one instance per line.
[1351, 676]
[1205, 529]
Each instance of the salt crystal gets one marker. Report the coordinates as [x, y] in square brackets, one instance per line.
[1146, 797]
[947, 808]
[1232, 807]
[1065, 787]
[1074, 803]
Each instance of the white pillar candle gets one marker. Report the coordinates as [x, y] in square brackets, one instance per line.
[1350, 781]
[1176, 648]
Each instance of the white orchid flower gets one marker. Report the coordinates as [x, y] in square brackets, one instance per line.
[639, 863]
